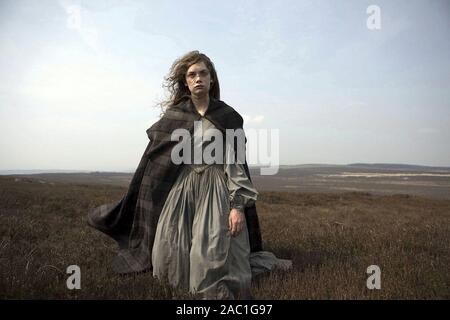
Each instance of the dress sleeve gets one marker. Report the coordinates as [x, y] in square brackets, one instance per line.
[241, 189]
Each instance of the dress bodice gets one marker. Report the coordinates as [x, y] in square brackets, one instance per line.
[241, 190]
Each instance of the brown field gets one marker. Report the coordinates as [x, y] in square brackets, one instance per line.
[331, 236]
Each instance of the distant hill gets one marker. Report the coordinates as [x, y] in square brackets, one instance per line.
[37, 171]
[373, 166]
[396, 166]
[369, 166]
[310, 165]
[356, 177]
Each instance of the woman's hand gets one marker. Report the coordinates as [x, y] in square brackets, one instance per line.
[236, 222]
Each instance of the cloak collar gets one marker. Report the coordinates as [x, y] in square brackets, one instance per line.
[189, 106]
[214, 113]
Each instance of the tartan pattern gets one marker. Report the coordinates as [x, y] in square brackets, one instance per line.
[132, 221]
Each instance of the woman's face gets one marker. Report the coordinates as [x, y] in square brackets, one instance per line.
[198, 79]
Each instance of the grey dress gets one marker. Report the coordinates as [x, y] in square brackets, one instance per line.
[193, 248]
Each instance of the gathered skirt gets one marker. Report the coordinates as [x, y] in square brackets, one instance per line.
[193, 248]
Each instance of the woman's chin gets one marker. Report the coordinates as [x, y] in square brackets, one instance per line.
[200, 93]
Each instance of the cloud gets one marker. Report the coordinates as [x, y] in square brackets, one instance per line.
[85, 84]
[428, 130]
[253, 119]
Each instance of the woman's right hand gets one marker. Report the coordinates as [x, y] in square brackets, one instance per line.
[236, 222]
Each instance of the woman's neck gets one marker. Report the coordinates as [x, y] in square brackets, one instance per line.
[200, 103]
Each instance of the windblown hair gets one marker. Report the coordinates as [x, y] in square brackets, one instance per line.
[175, 81]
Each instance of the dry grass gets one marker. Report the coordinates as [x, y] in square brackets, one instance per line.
[332, 239]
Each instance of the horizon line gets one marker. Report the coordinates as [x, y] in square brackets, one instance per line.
[250, 166]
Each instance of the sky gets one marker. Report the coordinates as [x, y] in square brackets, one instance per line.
[79, 80]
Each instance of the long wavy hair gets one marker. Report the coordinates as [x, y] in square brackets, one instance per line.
[175, 81]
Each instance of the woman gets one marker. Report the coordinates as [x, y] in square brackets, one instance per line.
[196, 221]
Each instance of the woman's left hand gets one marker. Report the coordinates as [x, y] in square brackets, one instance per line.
[236, 222]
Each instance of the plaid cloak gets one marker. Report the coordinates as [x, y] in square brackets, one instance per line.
[132, 221]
